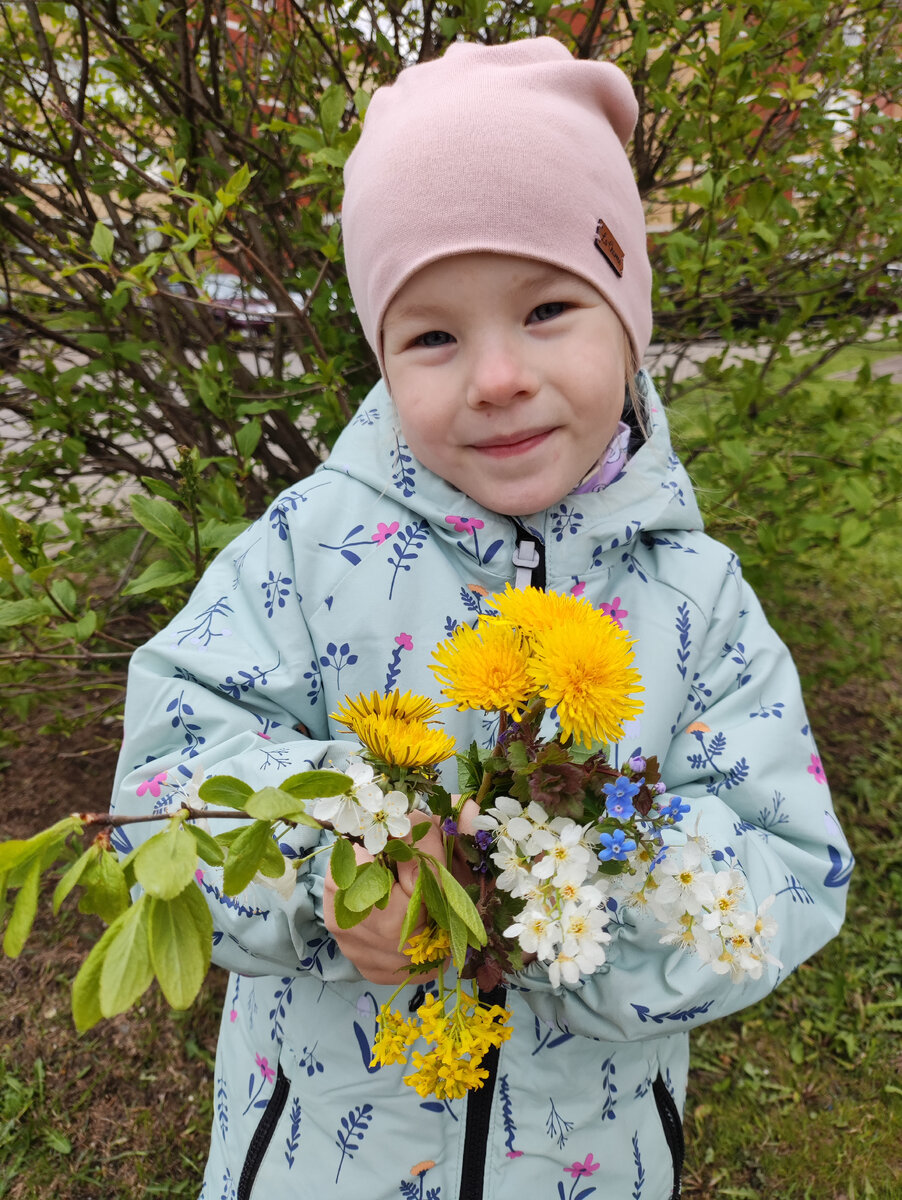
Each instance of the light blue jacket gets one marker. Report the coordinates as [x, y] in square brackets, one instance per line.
[345, 585]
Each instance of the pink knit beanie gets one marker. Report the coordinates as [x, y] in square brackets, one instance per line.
[514, 149]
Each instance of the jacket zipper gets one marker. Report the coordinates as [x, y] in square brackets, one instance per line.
[673, 1132]
[479, 1115]
[263, 1135]
[529, 559]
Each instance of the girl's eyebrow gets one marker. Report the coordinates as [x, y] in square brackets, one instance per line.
[412, 311]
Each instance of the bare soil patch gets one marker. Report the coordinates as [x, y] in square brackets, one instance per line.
[109, 1112]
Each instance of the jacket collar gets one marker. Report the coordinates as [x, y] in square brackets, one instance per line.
[653, 493]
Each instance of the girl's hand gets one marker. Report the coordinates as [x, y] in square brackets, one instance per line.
[372, 945]
[462, 870]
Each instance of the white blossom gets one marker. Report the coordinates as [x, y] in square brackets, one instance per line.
[584, 934]
[512, 864]
[342, 812]
[682, 882]
[537, 931]
[565, 858]
[383, 816]
[729, 891]
[563, 969]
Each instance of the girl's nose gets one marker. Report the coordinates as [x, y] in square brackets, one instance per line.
[499, 375]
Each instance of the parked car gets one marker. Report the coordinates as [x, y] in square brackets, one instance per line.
[241, 307]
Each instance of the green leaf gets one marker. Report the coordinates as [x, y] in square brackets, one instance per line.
[161, 575]
[343, 863]
[58, 1142]
[207, 847]
[332, 156]
[463, 906]
[180, 934]
[418, 829]
[398, 850]
[345, 917]
[86, 985]
[372, 883]
[853, 532]
[273, 804]
[433, 898]
[22, 612]
[459, 942]
[516, 754]
[102, 241]
[247, 438]
[73, 875]
[767, 234]
[317, 785]
[165, 864]
[414, 911]
[251, 851]
[331, 109]
[86, 626]
[105, 890]
[163, 520]
[15, 852]
[225, 791]
[127, 971]
[24, 910]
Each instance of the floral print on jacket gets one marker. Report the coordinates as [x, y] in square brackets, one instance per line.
[345, 585]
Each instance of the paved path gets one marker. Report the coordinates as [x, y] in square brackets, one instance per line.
[891, 366]
[16, 434]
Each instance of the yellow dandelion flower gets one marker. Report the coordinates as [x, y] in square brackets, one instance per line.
[484, 668]
[585, 671]
[406, 707]
[533, 610]
[432, 945]
[401, 743]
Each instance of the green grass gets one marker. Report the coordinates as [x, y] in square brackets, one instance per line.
[119, 1113]
[801, 1096]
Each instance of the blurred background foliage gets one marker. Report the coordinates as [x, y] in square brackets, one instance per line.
[177, 338]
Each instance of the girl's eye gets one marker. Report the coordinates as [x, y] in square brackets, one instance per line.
[435, 337]
[545, 312]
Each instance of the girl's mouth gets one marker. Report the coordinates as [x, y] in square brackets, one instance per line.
[518, 443]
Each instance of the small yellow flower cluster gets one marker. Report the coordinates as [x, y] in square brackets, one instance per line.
[460, 1040]
[432, 945]
[393, 1039]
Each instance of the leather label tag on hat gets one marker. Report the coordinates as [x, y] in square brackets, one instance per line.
[609, 246]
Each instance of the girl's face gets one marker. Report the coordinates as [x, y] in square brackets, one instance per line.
[508, 376]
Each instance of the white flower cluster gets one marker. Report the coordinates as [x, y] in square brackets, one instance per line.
[702, 911]
[366, 811]
[553, 865]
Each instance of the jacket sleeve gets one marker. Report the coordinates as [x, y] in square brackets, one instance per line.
[749, 770]
[227, 688]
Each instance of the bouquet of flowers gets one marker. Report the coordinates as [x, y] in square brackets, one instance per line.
[545, 845]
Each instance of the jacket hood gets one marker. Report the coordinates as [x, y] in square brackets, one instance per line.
[653, 492]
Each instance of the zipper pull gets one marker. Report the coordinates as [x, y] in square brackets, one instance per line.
[525, 558]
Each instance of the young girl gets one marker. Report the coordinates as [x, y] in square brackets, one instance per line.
[496, 251]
